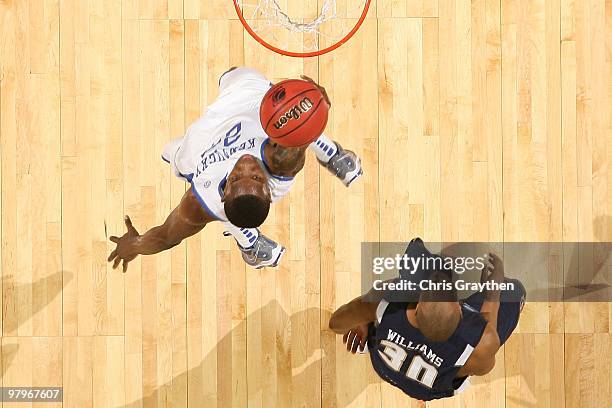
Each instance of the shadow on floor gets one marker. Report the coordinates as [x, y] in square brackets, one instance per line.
[42, 292]
[302, 372]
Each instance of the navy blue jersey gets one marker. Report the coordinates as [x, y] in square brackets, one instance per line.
[423, 369]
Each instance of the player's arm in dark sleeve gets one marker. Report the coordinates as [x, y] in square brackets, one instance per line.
[361, 310]
[185, 220]
[493, 272]
[482, 359]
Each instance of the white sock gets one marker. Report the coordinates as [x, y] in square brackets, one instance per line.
[324, 148]
[245, 237]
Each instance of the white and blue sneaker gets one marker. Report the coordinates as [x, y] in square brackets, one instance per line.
[345, 165]
[263, 253]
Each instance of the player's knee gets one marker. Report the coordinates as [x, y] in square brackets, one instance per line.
[226, 72]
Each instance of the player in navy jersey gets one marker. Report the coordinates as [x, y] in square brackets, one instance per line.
[430, 348]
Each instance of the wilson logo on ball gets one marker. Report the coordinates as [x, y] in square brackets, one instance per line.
[279, 95]
[294, 113]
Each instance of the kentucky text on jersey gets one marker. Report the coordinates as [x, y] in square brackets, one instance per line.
[425, 351]
[216, 155]
[228, 129]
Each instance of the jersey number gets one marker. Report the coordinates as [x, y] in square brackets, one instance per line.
[232, 135]
[418, 370]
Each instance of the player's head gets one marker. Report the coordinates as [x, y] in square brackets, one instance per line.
[246, 196]
[438, 313]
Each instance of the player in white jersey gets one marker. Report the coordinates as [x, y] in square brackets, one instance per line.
[235, 172]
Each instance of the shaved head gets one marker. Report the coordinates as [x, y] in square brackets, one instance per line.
[247, 211]
[438, 313]
[246, 195]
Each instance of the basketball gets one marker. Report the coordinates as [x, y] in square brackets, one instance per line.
[294, 113]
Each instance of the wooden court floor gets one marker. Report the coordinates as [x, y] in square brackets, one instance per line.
[476, 120]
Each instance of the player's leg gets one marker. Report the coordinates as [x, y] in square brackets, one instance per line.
[169, 153]
[343, 164]
[238, 76]
[257, 250]
[171, 148]
[324, 148]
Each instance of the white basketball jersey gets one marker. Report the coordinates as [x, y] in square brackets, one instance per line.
[229, 129]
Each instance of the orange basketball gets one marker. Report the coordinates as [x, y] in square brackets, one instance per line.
[294, 113]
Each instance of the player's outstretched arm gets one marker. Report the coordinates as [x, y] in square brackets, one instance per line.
[185, 220]
[352, 320]
[361, 310]
[482, 360]
[494, 271]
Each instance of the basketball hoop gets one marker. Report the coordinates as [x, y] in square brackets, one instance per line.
[299, 32]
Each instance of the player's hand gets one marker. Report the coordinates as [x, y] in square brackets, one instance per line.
[322, 89]
[356, 338]
[126, 246]
[493, 272]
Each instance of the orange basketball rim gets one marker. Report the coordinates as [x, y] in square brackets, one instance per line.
[292, 31]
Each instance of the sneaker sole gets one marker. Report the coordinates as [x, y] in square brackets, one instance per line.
[273, 263]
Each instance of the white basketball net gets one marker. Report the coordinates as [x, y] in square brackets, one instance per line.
[274, 14]
[273, 21]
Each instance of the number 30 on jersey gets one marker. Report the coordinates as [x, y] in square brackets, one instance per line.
[418, 370]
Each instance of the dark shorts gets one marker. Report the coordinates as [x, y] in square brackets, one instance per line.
[511, 304]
